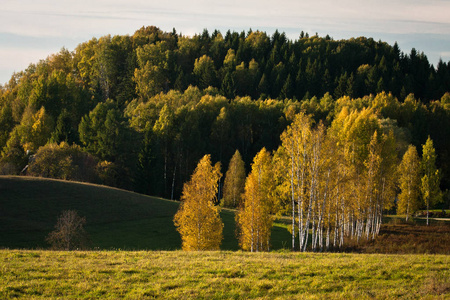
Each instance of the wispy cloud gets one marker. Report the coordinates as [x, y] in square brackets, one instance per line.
[62, 17]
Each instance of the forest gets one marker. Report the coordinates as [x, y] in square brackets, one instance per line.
[139, 112]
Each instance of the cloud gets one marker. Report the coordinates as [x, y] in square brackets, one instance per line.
[59, 18]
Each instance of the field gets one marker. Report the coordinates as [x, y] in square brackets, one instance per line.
[221, 275]
[119, 220]
[115, 219]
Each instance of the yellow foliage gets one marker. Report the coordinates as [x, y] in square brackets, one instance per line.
[234, 182]
[197, 219]
[409, 182]
[254, 218]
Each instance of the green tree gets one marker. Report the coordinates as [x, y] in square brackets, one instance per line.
[152, 76]
[145, 173]
[33, 131]
[431, 193]
[163, 132]
[104, 132]
[205, 71]
[64, 129]
[6, 122]
[197, 220]
[234, 182]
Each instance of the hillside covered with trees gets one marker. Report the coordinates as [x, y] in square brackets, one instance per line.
[140, 111]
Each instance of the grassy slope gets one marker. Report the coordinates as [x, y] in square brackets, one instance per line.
[118, 219]
[221, 275]
[29, 208]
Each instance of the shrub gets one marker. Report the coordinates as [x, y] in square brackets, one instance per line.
[69, 232]
[63, 162]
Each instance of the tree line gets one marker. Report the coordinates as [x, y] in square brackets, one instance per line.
[334, 183]
[139, 111]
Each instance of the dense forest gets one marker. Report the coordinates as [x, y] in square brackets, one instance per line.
[140, 111]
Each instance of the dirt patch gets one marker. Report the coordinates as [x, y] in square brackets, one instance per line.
[407, 239]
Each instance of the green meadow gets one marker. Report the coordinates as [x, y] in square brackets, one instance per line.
[221, 275]
[135, 254]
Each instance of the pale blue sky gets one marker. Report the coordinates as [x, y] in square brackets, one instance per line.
[31, 30]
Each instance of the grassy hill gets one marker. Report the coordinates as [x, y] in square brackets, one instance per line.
[119, 219]
[115, 219]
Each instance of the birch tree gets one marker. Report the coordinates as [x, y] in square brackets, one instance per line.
[254, 218]
[69, 233]
[409, 183]
[387, 178]
[358, 169]
[197, 220]
[431, 193]
[234, 182]
[296, 143]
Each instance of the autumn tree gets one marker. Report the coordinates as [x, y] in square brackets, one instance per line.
[409, 183]
[254, 218]
[34, 130]
[234, 181]
[65, 162]
[197, 220]
[69, 233]
[369, 205]
[431, 193]
[296, 143]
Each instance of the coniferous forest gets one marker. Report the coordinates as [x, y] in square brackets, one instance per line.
[139, 112]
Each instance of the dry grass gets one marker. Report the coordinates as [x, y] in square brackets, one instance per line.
[407, 238]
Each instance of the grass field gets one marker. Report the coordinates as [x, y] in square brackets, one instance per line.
[221, 275]
[116, 219]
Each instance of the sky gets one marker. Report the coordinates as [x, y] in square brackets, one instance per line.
[31, 30]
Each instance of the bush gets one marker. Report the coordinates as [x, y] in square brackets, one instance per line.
[69, 232]
[63, 162]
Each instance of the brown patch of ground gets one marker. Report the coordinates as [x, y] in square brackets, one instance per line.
[407, 239]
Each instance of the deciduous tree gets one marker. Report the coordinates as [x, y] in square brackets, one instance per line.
[431, 193]
[205, 71]
[234, 181]
[197, 219]
[254, 218]
[296, 143]
[409, 183]
[69, 233]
